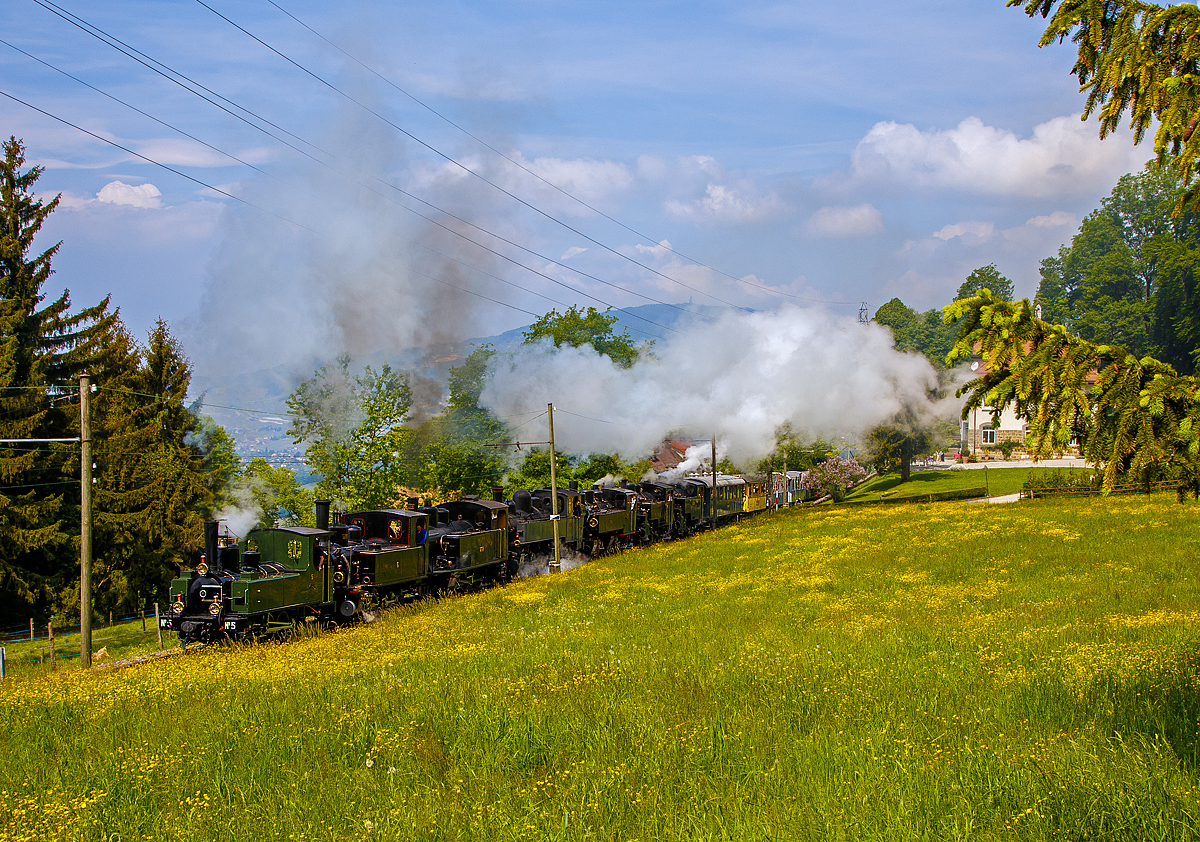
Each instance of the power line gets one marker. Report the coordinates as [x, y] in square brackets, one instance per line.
[271, 175]
[151, 160]
[646, 237]
[464, 167]
[170, 74]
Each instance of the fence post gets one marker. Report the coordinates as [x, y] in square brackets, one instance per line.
[50, 635]
[31, 629]
[110, 619]
[3, 665]
[157, 627]
[143, 613]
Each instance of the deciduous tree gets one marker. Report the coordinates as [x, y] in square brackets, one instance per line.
[576, 327]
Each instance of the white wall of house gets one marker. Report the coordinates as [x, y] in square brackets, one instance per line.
[979, 432]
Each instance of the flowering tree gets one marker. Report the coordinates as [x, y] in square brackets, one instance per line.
[833, 476]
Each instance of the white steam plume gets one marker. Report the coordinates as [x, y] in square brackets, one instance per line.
[740, 378]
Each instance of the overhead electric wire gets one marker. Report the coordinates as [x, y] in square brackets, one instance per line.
[170, 74]
[271, 175]
[465, 168]
[152, 161]
[305, 227]
[547, 182]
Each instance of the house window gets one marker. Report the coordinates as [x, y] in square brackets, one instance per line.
[989, 435]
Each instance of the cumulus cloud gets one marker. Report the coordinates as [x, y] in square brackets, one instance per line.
[573, 251]
[135, 195]
[727, 205]
[584, 178]
[1064, 155]
[1054, 220]
[966, 230]
[855, 221]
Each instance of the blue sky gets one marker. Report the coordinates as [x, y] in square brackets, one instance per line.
[829, 152]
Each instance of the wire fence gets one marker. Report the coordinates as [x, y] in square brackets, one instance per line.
[57, 643]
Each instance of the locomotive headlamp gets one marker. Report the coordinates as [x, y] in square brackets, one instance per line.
[202, 569]
[214, 608]
[339, 576]
[178, 606]
[593, 522]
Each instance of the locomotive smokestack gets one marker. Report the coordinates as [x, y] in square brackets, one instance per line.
[413, 503]
[210, 545]
[322, 507]
[497, 493]
[574, 485]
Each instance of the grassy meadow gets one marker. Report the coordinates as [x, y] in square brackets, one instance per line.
[998, 481]
[122, 639]
[940, 671]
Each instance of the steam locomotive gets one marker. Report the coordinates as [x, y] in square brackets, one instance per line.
[273, 578]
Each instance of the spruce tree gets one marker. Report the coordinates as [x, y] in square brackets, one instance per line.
[1138, 418]
[43, 349]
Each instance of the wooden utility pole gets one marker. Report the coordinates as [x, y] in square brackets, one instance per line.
[787, 491]
[714, 490]
[774, 503]
[556, 565]
[85, 521]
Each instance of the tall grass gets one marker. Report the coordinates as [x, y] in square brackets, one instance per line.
[918, 672]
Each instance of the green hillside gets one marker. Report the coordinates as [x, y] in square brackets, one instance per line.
[936, 671]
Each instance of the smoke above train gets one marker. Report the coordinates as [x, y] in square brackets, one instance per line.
[740, 376]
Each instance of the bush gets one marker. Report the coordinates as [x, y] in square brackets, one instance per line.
[833, 477]
[1007, 448]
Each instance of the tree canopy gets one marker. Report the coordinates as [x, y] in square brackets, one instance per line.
[576, 327]
[1137, 417]
[354, 426]
[1126, 277]
[159, 465]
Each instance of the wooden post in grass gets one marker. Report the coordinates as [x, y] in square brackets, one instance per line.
[143, 613]
[157, 626]
[556, 564]
[713, 496]
[50, 635]
[31, 629]
[85, 523]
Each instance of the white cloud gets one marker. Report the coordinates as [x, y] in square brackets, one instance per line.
[1054, 220]
[855, 221]
[969, 231]
[572, 252]
[584, 178]
[136, 195]
[1064, 155]
[727, 205]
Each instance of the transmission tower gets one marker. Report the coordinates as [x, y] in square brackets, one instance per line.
[863, 316]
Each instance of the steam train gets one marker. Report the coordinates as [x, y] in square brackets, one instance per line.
[273, 578]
